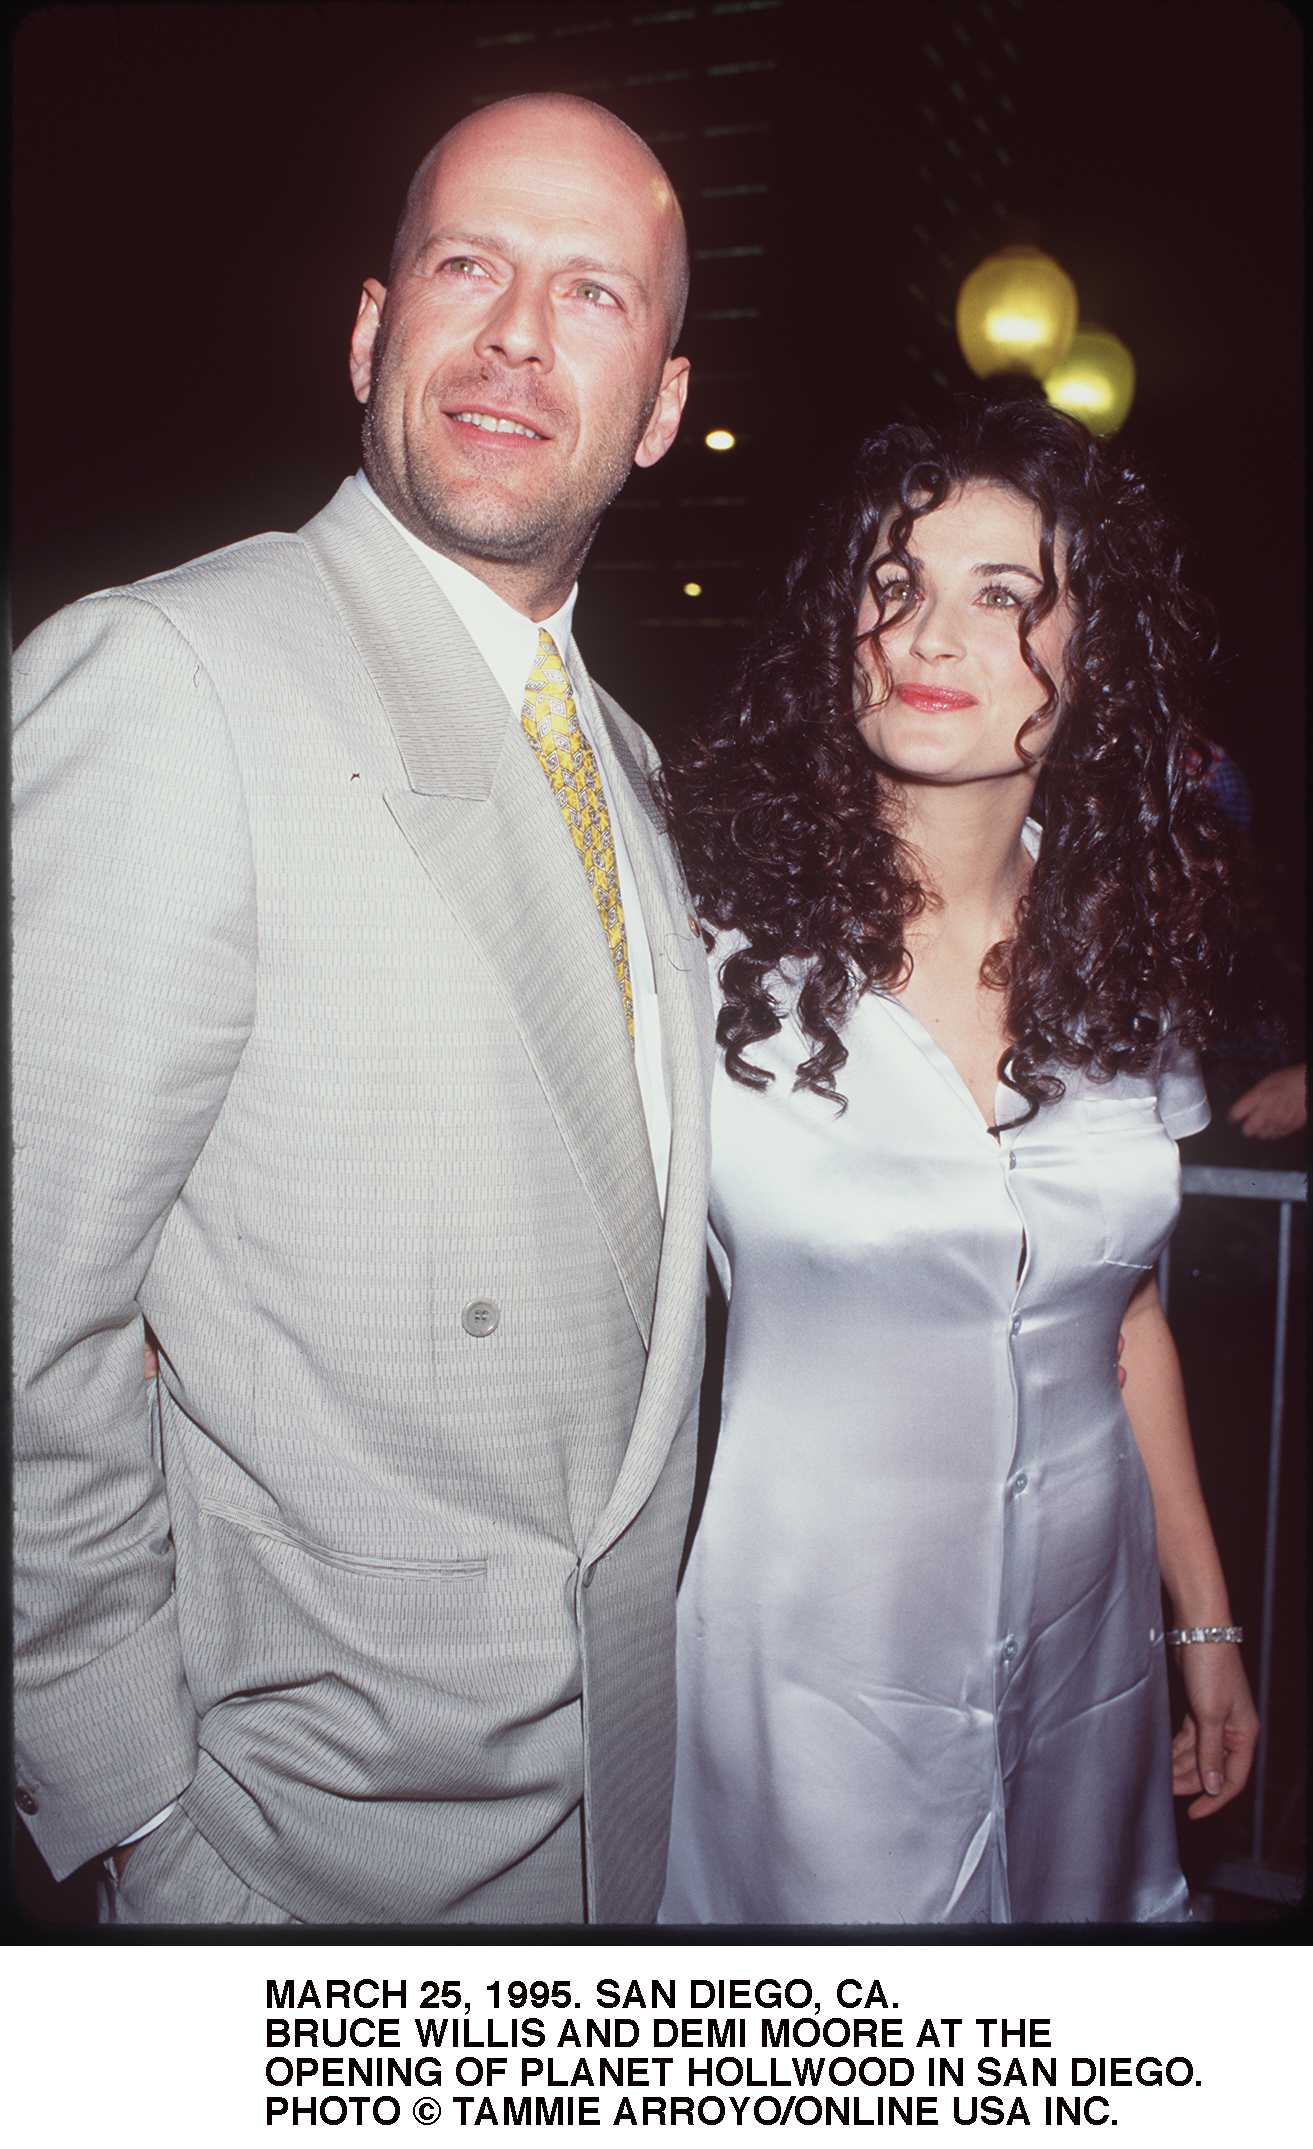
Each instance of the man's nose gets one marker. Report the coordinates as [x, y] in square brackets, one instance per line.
[518, 329]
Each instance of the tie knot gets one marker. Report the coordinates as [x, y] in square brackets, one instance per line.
[548, 670]
[548, 700]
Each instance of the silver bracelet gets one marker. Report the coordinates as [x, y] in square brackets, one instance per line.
[1176, 1635]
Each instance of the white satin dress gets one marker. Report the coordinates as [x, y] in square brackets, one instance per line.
[921, 1660]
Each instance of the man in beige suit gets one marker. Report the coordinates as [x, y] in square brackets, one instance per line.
[362, 1039]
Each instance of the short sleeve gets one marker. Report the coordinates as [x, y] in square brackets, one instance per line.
[1182, 1099]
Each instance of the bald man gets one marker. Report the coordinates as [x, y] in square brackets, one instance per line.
[362, 1040]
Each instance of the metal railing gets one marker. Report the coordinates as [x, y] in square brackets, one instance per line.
[1252, 1875]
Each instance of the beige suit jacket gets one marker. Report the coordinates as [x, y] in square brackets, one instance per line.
[317, 1047]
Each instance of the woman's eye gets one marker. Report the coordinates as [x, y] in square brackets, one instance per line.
[997, 598]
[896, 590]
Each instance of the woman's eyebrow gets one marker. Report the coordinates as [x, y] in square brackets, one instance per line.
[1005, 567]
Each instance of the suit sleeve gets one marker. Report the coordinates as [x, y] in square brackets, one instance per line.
[134, 985]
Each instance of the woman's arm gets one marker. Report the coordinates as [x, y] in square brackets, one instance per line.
[1213, 1751]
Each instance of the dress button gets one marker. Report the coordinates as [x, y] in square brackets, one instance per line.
[1009, 1649]
[25, 1802]
[1016, 1324]
[1020, 1481]
[480, 1317]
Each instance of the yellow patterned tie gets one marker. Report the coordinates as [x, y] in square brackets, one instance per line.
[551, 724]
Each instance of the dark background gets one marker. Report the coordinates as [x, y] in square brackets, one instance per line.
[199, 191]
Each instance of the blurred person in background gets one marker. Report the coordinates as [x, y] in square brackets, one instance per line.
[1275, 1107]
[1271, 1105]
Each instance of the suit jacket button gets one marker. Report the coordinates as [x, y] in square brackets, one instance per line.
[480, 1317]
[25, 1801]
[587, 1576]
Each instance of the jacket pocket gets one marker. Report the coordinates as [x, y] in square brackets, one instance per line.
[335, 1556]
[358, 1674]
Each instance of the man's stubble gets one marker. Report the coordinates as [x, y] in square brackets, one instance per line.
[548, 532]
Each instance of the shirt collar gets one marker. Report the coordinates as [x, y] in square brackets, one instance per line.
[505, 639]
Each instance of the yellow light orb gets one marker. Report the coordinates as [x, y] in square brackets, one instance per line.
[692, 589]
[1095, 382]
[1016, 313]
[719, 439]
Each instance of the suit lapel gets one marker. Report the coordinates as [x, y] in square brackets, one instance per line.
[482, 822]
[687, 1042]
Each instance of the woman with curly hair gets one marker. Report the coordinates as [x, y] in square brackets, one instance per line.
[968, 906]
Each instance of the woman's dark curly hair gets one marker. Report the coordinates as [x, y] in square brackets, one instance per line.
[786, 826]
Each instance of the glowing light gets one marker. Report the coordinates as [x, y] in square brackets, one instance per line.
[692, 589]
[719, 439]
[1084, 398]
[1015, 329]
[1095, 382]
[1016, 313]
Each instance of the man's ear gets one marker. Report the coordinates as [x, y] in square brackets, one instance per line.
[369, 315]
[667, 411]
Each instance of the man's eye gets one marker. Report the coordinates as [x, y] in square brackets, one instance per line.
[596, 294]
[463, 268]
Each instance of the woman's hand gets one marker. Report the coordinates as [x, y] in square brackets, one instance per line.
[1213, 1751]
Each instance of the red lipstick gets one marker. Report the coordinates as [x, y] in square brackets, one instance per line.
[934, 698]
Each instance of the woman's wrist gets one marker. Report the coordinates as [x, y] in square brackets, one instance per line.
[1197, 1595]
[1189, 1611]
[1200, 1608]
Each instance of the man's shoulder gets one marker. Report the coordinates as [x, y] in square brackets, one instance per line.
[255, 572]
[231, 586]
[272, 576]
